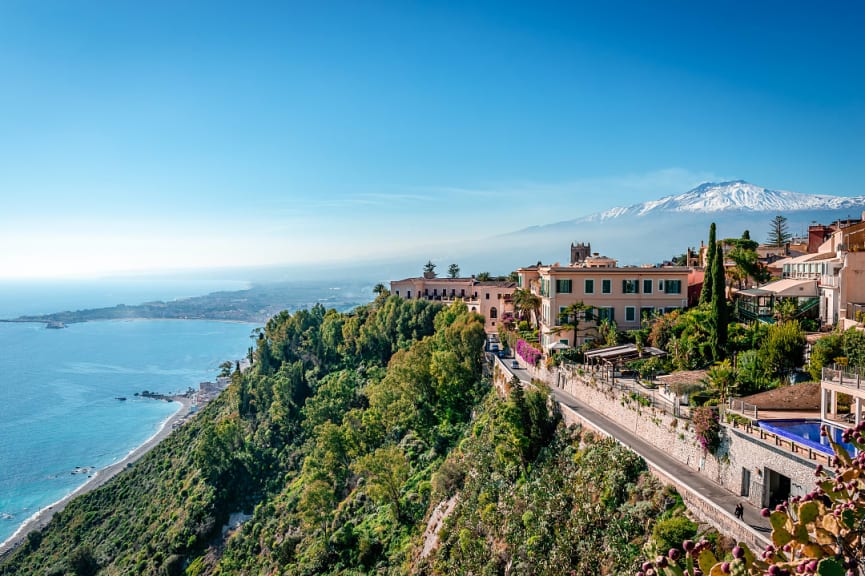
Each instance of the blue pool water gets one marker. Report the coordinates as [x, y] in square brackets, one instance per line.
[807, 433]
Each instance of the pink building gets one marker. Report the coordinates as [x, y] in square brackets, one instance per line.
[492, 298]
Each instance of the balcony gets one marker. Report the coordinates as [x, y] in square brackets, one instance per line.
[828, 281]
[855, 311]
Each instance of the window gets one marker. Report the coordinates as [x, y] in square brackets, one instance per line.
[397, 292]
[590, 286]
[630, 314]
[606, 313]
[563, 286]
[647, 286]
[407, 293]
[646, 312]
[493, 312]
[426, 291]
[589, 314]
[630, 286]
[487, 295]
[606, 286]
[462, 291]
[672, 286]
[520, 280]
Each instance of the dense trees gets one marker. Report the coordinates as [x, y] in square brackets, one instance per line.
[536, 499]
[290, 434]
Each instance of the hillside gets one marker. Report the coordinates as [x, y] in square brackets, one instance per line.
[254, 304]
[333, 451]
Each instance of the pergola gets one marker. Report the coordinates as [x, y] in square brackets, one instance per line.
[613, 355]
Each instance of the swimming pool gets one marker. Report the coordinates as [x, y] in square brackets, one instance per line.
[807, 433]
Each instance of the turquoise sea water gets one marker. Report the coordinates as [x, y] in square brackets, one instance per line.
[58, 389]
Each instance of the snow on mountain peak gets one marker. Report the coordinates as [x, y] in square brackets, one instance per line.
[736, 195]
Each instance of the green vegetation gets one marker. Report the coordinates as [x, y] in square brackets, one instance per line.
[708, 278]
[746, 265]
[843, 348]
[720, 316]
[779, 233]
[334, 449]
[582, 506]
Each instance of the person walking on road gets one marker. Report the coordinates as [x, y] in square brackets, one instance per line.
[740, 511]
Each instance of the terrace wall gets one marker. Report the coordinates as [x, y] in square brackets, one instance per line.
[740, 449]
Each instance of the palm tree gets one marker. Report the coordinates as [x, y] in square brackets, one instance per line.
[380, 289]
[722, 377]
[785, 310]
[453, 271]
[569, 318]
[527, 304]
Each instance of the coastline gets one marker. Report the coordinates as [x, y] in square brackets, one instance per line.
[40, 519]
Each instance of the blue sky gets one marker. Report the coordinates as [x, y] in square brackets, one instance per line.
[177, 135]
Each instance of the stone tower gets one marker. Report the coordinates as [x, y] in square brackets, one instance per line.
[579, 252]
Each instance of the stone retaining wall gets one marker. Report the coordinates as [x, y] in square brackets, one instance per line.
[702, 508]
[738, 453]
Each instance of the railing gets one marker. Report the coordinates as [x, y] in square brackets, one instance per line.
[783, 443]
[743, 407]
[840, 376]
[855, 311]
[828, 280]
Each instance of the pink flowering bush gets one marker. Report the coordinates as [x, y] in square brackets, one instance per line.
[707, 427]
[528, 352]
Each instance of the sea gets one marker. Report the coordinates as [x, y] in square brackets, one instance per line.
[60, 414]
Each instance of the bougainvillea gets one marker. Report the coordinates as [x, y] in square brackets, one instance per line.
[707, 427]
[528, 352]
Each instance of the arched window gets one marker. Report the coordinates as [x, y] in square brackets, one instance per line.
[493, 312]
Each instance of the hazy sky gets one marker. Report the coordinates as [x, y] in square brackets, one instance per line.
[138, 135]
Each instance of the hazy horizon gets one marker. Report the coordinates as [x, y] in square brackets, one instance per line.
[166, 137]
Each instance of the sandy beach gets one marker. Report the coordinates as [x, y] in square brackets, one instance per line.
[43, 517]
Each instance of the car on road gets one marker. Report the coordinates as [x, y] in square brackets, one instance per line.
[515, 364]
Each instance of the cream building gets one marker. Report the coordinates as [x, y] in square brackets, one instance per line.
[621, 294]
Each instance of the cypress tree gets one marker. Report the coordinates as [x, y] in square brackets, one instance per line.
[706, 293]
[719, 307]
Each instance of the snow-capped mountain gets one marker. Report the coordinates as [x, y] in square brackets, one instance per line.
[735, 196]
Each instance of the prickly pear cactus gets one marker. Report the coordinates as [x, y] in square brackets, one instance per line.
[821, 533]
